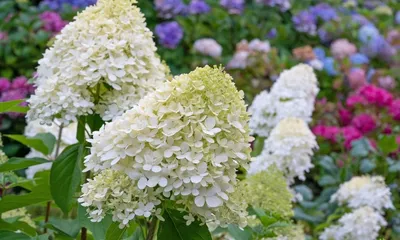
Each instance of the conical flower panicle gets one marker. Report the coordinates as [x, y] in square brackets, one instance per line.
[106, 51]
[182, 142]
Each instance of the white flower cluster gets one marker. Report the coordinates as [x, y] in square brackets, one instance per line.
[290, 147]
[68, 137]
[361, 224]
[244, 50]
[92, 62]
[208, 47]
[364, 191]
[183, 142]
[292, 95]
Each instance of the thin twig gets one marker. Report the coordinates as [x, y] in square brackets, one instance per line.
[152, 229]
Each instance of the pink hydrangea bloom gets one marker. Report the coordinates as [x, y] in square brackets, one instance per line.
[355, 99]
[387, 82]
[327, 132]
[350, 134]
[376, 95]
[52, 22]
[345, 116]
[4, 84]
[365, 123]
[394, 109]
[387, 130]
[357, 78]
[342, 48]
[21, 84]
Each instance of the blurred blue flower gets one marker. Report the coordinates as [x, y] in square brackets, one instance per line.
[272, 33]
[57, 5]
[169, 8]
[360, 19]
[319, 53]
[367, 33]
[358, 59]
[324, 11]
[324, 35]
[283, 5]
[329, 66]
[169, 34]
[198, 7]
[371, 72]
[378, 47]
[397, 17]
[305, 22]
[233, 6]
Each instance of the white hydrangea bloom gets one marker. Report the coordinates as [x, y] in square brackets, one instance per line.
[68, 137]
[290, 147]
[361, 224]
[92, 61]
[292, 95]
[183, 142]
[208, 46]
[364, 191]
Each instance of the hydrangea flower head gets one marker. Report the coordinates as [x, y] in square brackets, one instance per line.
[330, 133]
[363, 223]
[375, 95]
[169, 8]
[305, 22]
[169, 34]
[290, 147]
[91, 60]
[208, 47]
[183, 142]
[364, 122]
[350, 134]
[394, 109]
[292, 95]
[364, 191]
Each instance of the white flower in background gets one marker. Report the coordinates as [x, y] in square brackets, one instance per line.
[91, 61]
[292, 95]
[364, 191]
[361, 224]
[68, 137]
[316, 64]
[183, 142]
[259, 46]
[208, 47]
[290, 147]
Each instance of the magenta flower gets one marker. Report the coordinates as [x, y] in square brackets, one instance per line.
[365, 123]
[52, 22]
[345, 116]
[394, 109]
[350, 134]
[328, 132]
[4, 84]
[376, 95]
[355, 99]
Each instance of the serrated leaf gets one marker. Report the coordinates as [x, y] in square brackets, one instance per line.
[174, 227]
[20, 163]
[34, 143]
[65, 176]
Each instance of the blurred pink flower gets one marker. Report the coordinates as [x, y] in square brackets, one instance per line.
[345, 116]
[342, 48]
[52, 22]
[364, 122]
[387, 82]
[327, 132]
[357, 78]
[4, 84]
[355, 99]
[376, 95]
[387, 130]
[350, 134]
[3, 36]
[394, 109]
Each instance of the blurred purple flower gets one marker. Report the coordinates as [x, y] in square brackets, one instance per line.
[4, 84]
[272, 33]
[58, 5]
[358, 59]
[397, 17]
[305, 22]
[283, 5]
[387, 82]
[198, 7]
[324, 35]
[367, 33]
[52, 22]
[169, 34]
[378, 47]
[233, 6]
[3, 36]
[360, 19]
[324, 11]
[170, 8]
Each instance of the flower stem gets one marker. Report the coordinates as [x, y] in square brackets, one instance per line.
[153, 228]
[84, 234]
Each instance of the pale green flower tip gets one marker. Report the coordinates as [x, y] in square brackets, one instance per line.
[268, 190]
[294, 232]
[20, 213]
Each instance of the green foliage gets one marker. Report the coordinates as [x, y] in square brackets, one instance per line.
[20, 163]
[43, 143]
[13, 106]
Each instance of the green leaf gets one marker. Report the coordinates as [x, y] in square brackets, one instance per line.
[17, 226]
[174, 227]
[327, 163]
[6, 235]
[98, 229]
[95, 122]
[48, 139]
[20, 163]
[65, 176]
[395, 167]
[69, 227]
[367, 166]
[387, 144]
[39, 193]
[360, 148]
[13, 106]
[239, 234]
[327, 180]
[305, 191]
[34, 143]
[114, 232]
